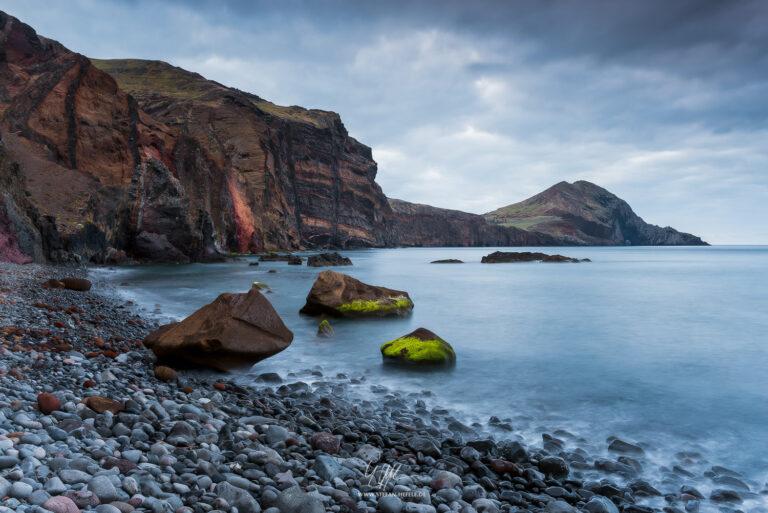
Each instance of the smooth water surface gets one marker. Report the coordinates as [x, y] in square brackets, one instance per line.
[667, 347]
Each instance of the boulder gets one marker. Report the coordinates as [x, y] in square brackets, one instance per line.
[79, 284]
[340, 295]
[500, 257]
[447, 261]
[235, 330]
[327, 260]
[420, 347]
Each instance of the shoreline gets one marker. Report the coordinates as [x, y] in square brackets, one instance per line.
[247, 446]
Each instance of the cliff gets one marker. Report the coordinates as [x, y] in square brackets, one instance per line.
[583, 213]
[147, 159]
[423, 225]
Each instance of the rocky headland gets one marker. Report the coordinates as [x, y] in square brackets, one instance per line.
[126, 160]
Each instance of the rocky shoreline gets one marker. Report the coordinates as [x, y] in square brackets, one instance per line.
[299, 443]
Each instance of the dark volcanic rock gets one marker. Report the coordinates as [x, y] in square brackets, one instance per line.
[554, 466]
[447, 261]
[499, 257]
[233, 331]
[343, 296]
[328, 260]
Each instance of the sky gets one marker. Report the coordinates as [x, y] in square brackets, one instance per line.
[474, 105]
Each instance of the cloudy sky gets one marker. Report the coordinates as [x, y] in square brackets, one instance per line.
[478, 104]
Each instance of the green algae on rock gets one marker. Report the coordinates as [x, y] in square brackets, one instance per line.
[324, 329]
[340, 295]
[421, 347]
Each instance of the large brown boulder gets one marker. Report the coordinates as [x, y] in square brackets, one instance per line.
[233, 331]
[343, 296]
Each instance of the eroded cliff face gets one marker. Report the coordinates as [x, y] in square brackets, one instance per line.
[170, 166]
[291, 177]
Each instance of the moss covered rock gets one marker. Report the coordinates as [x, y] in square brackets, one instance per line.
[340, 295]
[324, 329]
[421, 347]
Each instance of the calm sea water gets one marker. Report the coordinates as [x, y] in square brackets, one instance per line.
[667, 347]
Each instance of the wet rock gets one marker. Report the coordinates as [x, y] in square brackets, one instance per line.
[625, 447]
[554, 466]
[513, 451]
[233, 331]
[721, 495]
[425, 446]
[599, 504]
[324, 329]
[419, 348]
[447, 261]
[340, 295]
[499, 257]
[328, 260]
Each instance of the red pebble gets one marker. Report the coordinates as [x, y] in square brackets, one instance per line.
[16, 374]
[219, 386]
[89, 384]
[47, 403]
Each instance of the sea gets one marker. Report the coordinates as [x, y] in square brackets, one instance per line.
[664, 347]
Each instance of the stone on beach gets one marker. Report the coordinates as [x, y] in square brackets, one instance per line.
[166, 374]
[48, 403]
[100, 404]
[61, 504]
[235, 330]
[341, 295]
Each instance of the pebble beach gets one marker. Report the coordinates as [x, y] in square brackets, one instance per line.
[88, 423]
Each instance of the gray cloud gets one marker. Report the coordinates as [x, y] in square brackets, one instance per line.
[474, 105]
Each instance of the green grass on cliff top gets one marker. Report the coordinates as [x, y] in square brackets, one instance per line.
[145, 79]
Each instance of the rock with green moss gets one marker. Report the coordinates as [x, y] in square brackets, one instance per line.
[339, 295]
[259, 285]
[324, 329]
[421, 347]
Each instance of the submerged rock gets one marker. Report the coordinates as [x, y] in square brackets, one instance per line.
[324, 329]
[420, 347]
[233, 331]
[343, 296]
[327, 260]
[501, 257]
[447, 261]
